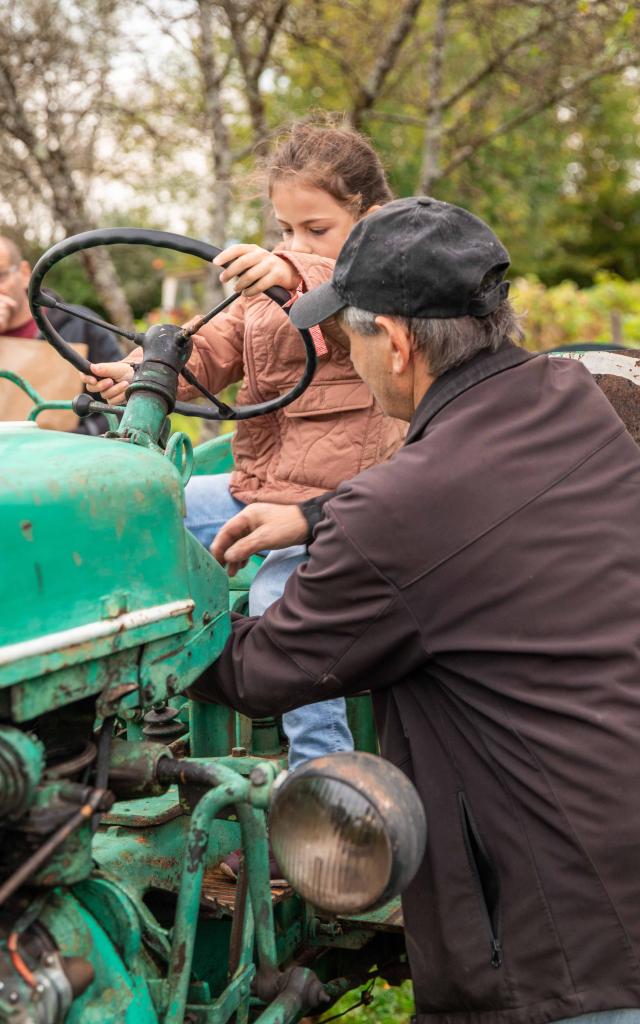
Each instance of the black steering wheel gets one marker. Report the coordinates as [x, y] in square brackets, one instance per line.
[40, 300]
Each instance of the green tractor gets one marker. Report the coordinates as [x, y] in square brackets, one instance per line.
[119, 796]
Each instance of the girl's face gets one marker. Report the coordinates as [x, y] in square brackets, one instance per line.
[311, 220]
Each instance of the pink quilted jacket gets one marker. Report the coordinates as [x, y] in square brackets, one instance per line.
[333, 431]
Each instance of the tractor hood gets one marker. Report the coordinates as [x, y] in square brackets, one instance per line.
[91, 541]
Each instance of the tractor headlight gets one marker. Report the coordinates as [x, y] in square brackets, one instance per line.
[348, 831]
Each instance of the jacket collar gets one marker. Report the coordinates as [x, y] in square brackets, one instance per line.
[459, 379]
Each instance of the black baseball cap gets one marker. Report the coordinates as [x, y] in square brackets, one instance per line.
[415, 257]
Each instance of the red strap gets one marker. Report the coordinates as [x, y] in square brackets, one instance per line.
[315, 332]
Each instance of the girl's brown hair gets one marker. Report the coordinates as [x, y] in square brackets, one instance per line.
[332, 156]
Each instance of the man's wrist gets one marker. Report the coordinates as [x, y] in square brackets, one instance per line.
[313, 511]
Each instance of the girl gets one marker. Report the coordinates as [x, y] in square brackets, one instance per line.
[321, 179]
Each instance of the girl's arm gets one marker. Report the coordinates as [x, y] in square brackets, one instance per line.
[312, 270]
[216, 360]
[217, 357]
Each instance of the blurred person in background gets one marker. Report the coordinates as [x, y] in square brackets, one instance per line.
[16, 321]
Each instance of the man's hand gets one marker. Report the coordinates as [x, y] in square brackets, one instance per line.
[255, 269]
[259, 527]
[111, 380]
[7, 309]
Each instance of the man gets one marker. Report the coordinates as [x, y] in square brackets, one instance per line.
[484, 584]
[16, 321]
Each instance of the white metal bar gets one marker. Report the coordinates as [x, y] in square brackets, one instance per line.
[51, 642]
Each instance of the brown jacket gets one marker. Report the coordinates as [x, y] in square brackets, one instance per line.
[332, 432]
[485, 584]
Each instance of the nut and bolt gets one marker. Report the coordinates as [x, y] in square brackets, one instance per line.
[13, 997]
[49, 960]
[258, 776]
[238, 751]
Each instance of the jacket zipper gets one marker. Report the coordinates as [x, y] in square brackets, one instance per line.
[471, 836]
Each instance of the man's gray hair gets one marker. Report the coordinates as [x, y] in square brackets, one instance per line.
[445, 343]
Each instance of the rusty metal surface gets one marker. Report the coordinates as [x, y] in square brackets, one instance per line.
[144, 813]
[219, 892]
[618, 375]
[387, 918]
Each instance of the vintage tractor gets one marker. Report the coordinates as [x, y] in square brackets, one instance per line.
[119, 796]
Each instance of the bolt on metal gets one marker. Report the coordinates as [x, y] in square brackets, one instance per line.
[258, 776]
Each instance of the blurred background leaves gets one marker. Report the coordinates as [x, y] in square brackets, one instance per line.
[158, 114]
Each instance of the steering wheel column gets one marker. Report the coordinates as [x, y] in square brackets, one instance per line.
[151, 396]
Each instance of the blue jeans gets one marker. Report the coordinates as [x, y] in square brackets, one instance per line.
[604, 1017]
[313, 730]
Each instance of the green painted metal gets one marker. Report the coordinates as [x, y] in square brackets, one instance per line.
[23, 384]
[151, 856]
[265, 738]
[37, 695]
[41, 406]
[40, 403]
[144, 417]
[180, 453]
[167, 668]
[233, 788]
[362, 724]
[118, 993]
[387, 918]
[286, 1007]
[244, 578]
[115, 505]
[235, 995]
[212, 729]
[214, 456]
[256, 851]
[21, 764]
[121, 609]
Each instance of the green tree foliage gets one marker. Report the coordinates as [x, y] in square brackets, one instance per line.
[390, 1005]
[608, 312]
[596, 225]
[528, 113]
[140, 278]
[520, 87]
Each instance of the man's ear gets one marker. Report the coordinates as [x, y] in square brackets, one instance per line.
[401, 349]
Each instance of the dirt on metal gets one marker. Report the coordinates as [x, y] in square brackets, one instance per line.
[624, 397]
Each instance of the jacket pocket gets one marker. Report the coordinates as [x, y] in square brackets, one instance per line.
[485, 878]
[329, 398]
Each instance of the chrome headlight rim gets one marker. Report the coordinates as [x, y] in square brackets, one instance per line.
[393, 801]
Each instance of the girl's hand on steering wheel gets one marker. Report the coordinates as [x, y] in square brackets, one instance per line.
[111, 380]
[255, 269]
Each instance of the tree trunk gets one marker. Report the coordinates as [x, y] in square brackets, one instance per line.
[432, 145]
[370, 91]
[69, 209]
[68, 202]
[219, 202]
[71, 213]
